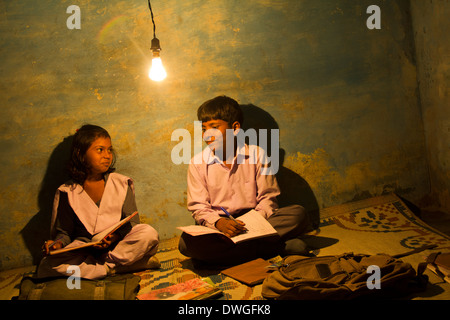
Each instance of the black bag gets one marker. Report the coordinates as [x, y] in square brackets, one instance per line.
[115, 287]
[344, 277]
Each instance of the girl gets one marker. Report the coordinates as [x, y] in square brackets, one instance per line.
[95, 199]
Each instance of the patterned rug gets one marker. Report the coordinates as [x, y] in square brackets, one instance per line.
[386, 226]
[377, 225]
[176, 268]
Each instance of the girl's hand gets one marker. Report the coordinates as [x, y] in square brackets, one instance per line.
[107, 241]
[51, 245]
[230, 227]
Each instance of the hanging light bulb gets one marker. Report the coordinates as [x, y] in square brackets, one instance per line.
[157, 71]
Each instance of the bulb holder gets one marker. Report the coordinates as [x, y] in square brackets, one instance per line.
[155, 45]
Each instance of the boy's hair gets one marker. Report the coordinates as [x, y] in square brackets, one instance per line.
[221, 108]
[82, 140]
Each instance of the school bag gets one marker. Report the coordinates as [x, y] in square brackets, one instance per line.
[343, 277]
[115, 287]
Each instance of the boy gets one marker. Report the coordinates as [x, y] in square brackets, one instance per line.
[236, 178]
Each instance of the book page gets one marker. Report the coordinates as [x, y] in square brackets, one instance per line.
[257, 227]
[97, 238]
[256, 224]
[197, 230]
[70, 248]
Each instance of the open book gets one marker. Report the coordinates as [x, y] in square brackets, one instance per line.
[256, 224]
[194, 289]
[98, 237]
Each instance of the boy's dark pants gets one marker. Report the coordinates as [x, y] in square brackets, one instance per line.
[290, 222]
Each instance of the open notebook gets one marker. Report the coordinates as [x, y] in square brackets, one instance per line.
[98, 237]
[256, 224]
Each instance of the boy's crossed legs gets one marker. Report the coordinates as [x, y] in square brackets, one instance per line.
[290, 222]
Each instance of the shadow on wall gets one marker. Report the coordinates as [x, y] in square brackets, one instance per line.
[38, 228]
[294, 189]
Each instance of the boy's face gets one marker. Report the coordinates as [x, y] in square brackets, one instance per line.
[214, 133]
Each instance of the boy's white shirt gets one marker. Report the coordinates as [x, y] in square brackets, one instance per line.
[252, 155]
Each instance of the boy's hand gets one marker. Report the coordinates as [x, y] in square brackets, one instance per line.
[230, 227]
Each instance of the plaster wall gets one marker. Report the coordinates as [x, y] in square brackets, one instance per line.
[345, 99]
[431, 30]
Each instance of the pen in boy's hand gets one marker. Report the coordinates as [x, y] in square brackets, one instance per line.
[239, 225]
[227, 213]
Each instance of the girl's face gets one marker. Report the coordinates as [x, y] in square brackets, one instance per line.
[99, 156]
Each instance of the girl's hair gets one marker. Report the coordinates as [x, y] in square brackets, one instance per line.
[221, 108]
[82, 140]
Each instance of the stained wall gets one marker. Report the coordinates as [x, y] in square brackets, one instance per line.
[431, 30]
[345, 99]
